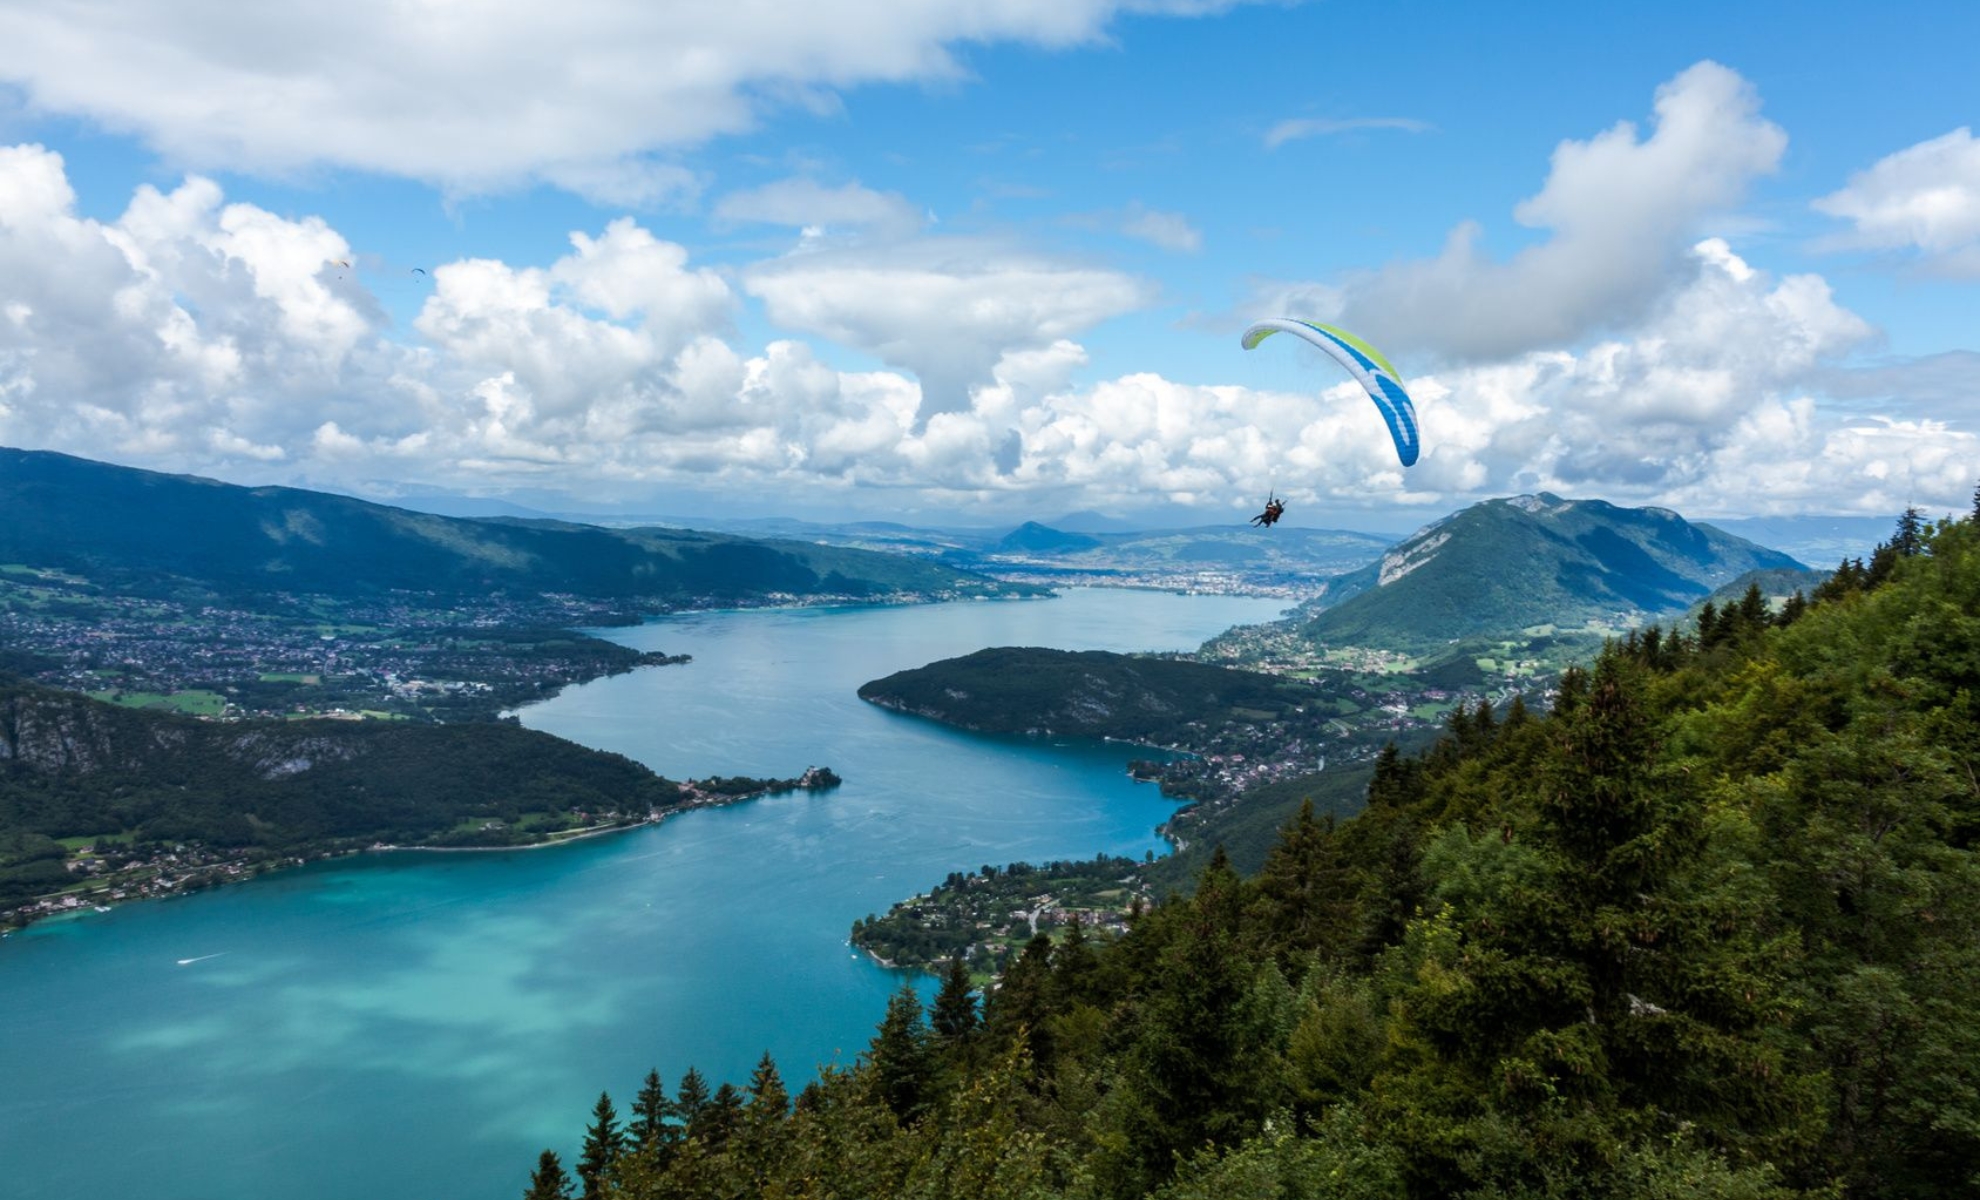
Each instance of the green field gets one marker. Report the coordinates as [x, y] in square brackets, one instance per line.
[196, 702]
[40, 573]
[99, 839]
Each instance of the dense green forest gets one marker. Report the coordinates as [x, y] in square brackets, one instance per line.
[1092, 693]
[76, 768]
[1710, 928]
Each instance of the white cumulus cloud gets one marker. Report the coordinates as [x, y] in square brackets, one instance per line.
[1924, 198]
[473, 94]
[1621, 210]
[947, 309]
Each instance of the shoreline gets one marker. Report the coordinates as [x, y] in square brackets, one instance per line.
[97, 904]
[572, 836]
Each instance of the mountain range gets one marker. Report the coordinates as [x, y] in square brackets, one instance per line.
[97, 519]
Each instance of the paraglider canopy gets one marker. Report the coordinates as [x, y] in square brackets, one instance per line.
[1366, 364]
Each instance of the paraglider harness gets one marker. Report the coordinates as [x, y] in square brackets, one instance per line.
[1274, 509]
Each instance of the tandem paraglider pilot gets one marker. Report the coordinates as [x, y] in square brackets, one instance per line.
[1274, 509]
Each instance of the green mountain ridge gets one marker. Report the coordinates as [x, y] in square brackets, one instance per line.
[1508, 565]
[76, 514]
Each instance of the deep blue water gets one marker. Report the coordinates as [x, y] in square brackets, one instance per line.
[420, 1025]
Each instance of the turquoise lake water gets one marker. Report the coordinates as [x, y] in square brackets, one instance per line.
[421, 1025]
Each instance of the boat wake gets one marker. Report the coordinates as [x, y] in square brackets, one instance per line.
[201, 958]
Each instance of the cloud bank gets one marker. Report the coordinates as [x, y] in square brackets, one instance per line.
[928, 374]
[479, 94]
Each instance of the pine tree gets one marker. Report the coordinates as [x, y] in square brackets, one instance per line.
[1910, 536]
[549, 1182]
[691, 1098]
[1710, 631]
[651, 1110]
[1074, 964]
[721, 1119]
[1023, 1001]
[762, 1142]
[1572, 689]
[898, 1057]
[604, 1142]
[1397, 782]
[1883, 561]
[1601, 798]
[953, 1017]
[1753, 615]
[1190, 1079]
[1306, 889]
[767, 1094]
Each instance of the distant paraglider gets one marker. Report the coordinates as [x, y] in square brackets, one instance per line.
[1368, 367]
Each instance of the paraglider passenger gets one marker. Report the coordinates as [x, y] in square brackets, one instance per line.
[1274, 509]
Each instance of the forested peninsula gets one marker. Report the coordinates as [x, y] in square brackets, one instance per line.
[101, 803]
[1709, 929]
[1087, 693]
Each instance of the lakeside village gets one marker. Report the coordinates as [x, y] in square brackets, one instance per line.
[398, 656]
[109, 871]
[986, 916]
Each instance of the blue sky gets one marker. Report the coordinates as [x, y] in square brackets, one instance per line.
[951, 262]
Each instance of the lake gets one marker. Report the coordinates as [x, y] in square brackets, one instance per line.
[423, 1024]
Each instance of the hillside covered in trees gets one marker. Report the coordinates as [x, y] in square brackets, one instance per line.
[137, 783]
[1710, 928]
[1088, 693]
[127, 529]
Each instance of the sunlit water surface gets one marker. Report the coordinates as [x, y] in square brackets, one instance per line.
[420, 1025]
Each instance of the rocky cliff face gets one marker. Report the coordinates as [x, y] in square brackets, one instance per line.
[48, 732]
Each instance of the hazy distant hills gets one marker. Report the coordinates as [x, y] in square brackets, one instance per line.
[1033, 538]
[95, 518]
[1775, 583]
[1508, 565]
[1237, 548]
[1818, 541]
[1085, 550]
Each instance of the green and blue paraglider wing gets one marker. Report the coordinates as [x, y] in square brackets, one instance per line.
[1368, 367]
